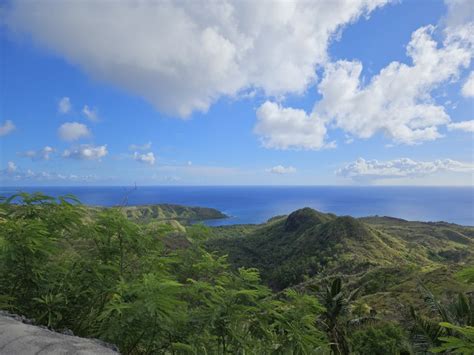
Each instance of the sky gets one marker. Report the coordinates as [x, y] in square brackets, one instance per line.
[355, 92]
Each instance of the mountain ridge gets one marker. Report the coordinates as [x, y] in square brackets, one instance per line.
[306, 243]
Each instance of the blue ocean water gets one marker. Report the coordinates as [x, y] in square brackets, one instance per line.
[256, 204]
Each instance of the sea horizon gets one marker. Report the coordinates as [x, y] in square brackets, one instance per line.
[254, 204]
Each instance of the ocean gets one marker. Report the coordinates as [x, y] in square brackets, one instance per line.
[256, 204]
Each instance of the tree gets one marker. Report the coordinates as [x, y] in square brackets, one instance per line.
[460, 338]
[431, 332]
[462, 342]
[334, 319]
[97, 273]
[380, 339]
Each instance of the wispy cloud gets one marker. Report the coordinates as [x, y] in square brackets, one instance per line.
[14, 174]
[368, 170]
[146, 146]
[468, 87]
[11, 167]
[466, 126]
[64, 105]
[41, 154]
[7, 128]
[90, 113]
[281, 170]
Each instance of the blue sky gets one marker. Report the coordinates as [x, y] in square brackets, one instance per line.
[337, 93]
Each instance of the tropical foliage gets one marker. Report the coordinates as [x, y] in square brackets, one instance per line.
[101, 275]
[149, 282]
[460, 338]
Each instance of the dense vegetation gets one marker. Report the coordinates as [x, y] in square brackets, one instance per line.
[307, 243]
[163, 212]
[329, 284]
[101, 275]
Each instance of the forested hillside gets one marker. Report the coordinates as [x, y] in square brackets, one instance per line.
[307, 243]
[329, 284]
[165, 212]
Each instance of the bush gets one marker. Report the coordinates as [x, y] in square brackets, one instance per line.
[380, 339]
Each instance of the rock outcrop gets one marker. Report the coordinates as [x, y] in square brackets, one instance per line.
[19, 338]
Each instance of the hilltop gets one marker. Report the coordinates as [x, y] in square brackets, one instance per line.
[307, 244]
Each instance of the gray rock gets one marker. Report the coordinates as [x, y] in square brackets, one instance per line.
[19, 338]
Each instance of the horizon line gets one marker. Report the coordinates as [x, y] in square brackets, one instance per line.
[224, 185]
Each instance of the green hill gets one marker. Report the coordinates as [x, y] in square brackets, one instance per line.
[162, 212]
[346, 285]
[305, 244]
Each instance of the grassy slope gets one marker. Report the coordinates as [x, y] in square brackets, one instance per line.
[386, 257]
[439, 241]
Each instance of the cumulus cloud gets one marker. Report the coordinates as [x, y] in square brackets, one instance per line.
[289, 128]
[460, 17]
[396, 102]
[366, 170]
[146, 146]
[7, 128]
[72, 131]
[468, 87]
[281, 170]
[90, 113]
[64, 105]
[183, 56]
[466, 126]
[86, 152]
[41, 154]
[146, 158]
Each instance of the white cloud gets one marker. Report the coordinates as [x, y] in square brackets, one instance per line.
[64, 105]
[460, 16]
[367, 170]
[280, 169]
[468, 87]
[145, 146]
[183, 56]
[13, 173]
[42, 154]
[396, 102]
[170, 179]
[289, 128]
[467, 126]
[146, 158]
[72, 131]
[90, 113]
[86, 152]
[7, 128]
[11, 167]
